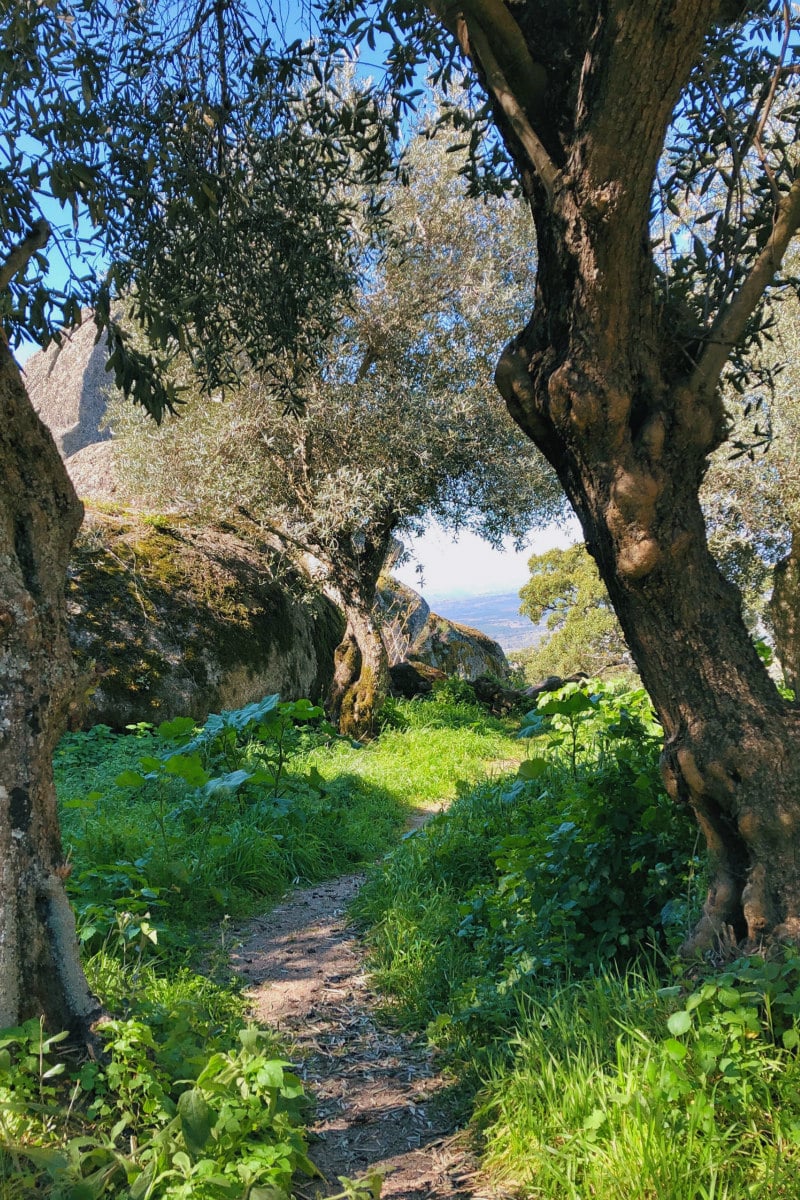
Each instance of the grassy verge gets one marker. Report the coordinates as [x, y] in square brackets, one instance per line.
[171, 832]
[530, 929]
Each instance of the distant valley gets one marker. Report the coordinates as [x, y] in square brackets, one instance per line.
[496, 616]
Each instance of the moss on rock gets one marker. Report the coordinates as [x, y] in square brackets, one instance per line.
[167, 617]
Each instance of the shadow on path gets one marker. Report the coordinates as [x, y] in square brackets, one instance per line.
[380, 1103]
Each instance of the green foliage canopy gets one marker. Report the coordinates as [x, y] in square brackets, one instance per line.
[584, 635]
[199, 155]
[399, 420]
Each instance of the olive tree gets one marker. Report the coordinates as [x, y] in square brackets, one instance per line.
[398, 424]
[611, 113]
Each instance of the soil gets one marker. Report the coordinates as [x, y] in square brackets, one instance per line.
[381, 1102]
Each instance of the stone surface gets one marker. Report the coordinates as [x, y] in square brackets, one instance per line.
[67, 385]
[168, 619]
[411, 631]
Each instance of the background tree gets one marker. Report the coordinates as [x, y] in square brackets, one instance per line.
[609, 112]
[751, 495]
[565, 588]
[398, 424]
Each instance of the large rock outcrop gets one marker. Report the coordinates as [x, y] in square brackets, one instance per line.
[168, 618]
[68, 385]
[412, 632]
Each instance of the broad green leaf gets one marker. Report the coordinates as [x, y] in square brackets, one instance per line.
[270, 1075]
[676, 1050]
[729, 997]
[182, 1162]
[196, 1118]
[229, 782]
[532, 768]
[187, 767]
[679, 1023]
[179, 727]
[129, 779]
[52, 1161]
[243, 717]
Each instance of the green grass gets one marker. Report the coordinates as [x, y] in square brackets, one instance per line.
[525, 881]
[597, 1099]
[429, 750]
[163, 852]
[167, 848]
[529, 929]
[513, 927]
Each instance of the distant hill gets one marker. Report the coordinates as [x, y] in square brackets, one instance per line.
[496, 616]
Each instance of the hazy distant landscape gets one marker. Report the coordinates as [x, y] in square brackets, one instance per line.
[496, 616]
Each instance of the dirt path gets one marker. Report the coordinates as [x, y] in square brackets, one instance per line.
[379, 1097]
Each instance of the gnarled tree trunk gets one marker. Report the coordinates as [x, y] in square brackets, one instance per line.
[361, 664]
[626, 407]
[361, 673]
[40, 971]
[732, 745]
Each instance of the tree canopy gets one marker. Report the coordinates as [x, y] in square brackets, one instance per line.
[399, 421]
[566, 591]
[189, 146]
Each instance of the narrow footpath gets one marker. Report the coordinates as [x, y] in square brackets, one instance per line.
[379, 1096]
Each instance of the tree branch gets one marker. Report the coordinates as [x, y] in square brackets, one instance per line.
[278, 531]
[732, 319]
[539, 159]
[526, 78]
[486, 29]
[23, 252]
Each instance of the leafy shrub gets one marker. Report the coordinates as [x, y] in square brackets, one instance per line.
[454, 691]
[131, 1121]
[574, 864]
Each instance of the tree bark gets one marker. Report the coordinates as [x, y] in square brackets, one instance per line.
[40, 971]
[361, 673]
[361, 664]
[784, 612]
[626, 407]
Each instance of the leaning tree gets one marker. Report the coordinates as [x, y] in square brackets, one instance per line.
[620, 118]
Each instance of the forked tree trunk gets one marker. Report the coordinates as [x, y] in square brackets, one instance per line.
[361, 674]
[40, 971]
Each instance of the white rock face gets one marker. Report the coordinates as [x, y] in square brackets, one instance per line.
[68, 387]
[411, 631]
